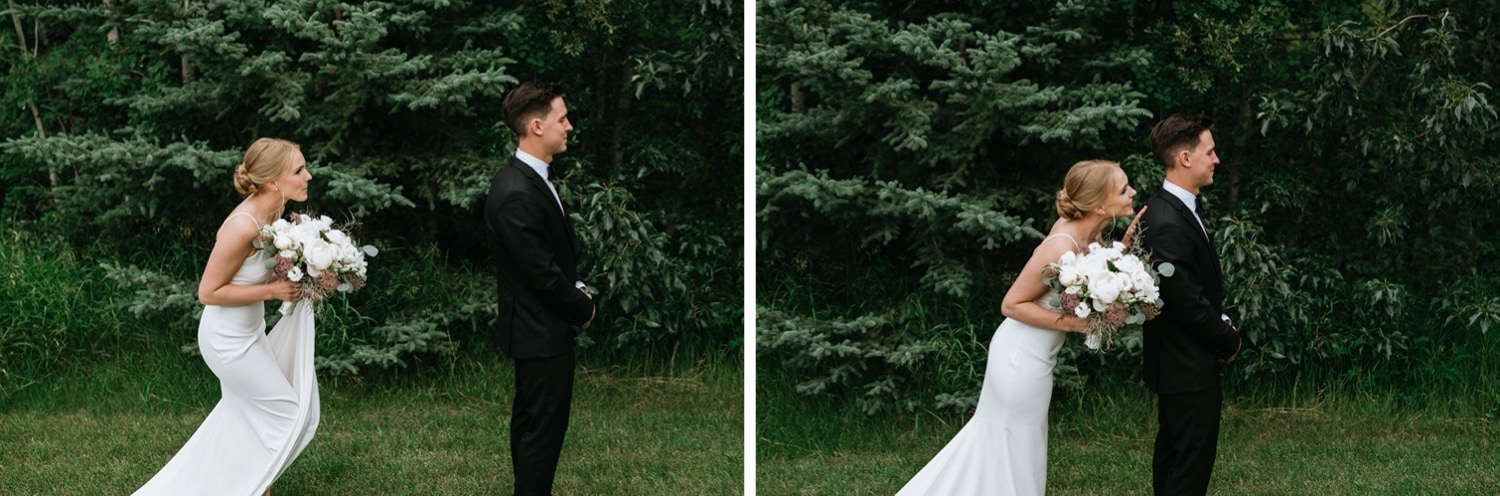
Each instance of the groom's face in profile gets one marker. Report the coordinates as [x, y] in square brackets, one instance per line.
[1202, 159]
[555, 127]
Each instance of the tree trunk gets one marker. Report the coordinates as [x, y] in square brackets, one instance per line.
[622, 108]
[114, 32]
[187, 64]
[187, 71]
[1241, 144]
[36, 115]
[20, 30]
[799, 100]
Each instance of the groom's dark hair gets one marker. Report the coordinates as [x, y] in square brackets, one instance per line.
[1175, 133]
[530, 100]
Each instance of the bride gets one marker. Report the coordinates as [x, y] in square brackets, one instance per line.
[269, 408]
[1003, 448]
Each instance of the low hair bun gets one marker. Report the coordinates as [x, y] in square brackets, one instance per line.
[1066, 208]
[242, 182]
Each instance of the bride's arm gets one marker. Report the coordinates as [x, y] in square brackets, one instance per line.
[1020, 300]
[231, 247]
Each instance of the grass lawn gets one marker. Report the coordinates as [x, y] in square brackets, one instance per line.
[667, 428]
[1325, 444]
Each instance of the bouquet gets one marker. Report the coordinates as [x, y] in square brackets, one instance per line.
[311, 252]
[1111, 286]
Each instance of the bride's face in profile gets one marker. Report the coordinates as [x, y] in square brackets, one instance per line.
[1121, 200]
[293, 181]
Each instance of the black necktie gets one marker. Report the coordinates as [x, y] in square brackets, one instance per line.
[1198, 206]
[550, 176]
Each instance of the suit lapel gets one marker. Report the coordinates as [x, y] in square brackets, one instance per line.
[1188, 218]
[555, 201]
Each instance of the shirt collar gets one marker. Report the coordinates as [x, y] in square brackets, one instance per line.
[1187, 198]
[536, 164]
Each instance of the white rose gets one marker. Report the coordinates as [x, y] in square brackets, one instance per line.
[1082, 311]
[1105, 287]
[319, 255]
[284, 243]
[350, 255]
[337, 237]
[294, 275]
[1069, 277]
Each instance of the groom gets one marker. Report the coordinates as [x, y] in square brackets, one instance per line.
[542, 301]
[1184, 347]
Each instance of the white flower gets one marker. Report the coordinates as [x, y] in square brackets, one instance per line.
[1069, 276]
[283, 243]
[1105, 287]
[1082, 311]
[1130, 265]
[337, 237]
[294, 275]
[319, 255]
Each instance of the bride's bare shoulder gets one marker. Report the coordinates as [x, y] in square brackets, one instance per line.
[239, 224]
[1053, 247]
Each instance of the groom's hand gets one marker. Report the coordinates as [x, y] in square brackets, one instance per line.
[1239, 345]
[592, 313]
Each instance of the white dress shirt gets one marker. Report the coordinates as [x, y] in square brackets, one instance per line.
[541, 170]
[1188, 199]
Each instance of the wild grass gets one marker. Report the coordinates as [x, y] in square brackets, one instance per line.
[648, 426]
[1314, 437]
[95, 399]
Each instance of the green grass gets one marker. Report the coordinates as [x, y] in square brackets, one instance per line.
[1309, 442]
[654, 425]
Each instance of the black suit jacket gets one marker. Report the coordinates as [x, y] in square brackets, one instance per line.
[536, 264]
[1181, 346]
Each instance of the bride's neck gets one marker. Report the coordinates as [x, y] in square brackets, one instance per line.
[1089, 227]
[265, 206]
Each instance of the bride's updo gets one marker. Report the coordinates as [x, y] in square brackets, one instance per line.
[265, 161]
[1087, 186]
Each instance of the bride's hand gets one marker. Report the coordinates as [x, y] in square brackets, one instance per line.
[1130, 231]
[284, 290]
[1072, 323]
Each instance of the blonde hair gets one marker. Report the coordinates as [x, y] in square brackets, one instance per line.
[1087, 186]
[265, 161]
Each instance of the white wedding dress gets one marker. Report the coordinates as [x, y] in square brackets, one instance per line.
[1002, 451]
[269, 409]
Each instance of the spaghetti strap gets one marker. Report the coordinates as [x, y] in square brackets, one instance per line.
[258, 224]
[1065, 235]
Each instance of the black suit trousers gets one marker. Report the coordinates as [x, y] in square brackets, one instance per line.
[539, 420]
[1187, 440]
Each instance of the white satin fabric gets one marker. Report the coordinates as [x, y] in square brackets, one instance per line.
[1002, 450]
[269, 409]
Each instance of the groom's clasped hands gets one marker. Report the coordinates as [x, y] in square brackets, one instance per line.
[590, 322]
